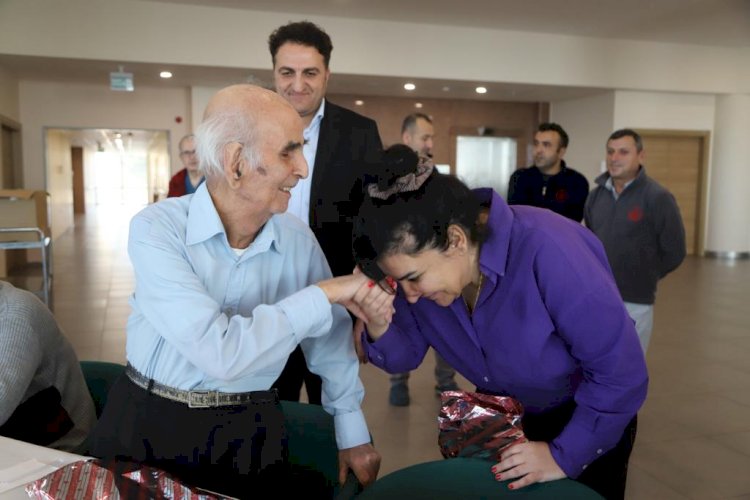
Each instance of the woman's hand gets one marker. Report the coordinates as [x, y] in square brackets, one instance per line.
[531, 461]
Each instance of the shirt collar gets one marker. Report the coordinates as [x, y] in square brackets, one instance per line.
[315, 122]
[494, 251]
[203, 223]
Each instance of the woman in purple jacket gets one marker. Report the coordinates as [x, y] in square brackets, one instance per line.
[521, 301]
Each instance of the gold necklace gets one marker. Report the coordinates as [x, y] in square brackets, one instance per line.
[476, 297]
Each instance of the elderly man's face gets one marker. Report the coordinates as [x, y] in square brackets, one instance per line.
[301, 77]
[281, 163]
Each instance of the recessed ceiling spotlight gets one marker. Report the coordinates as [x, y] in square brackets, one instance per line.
[166, 74]
[359, 102]
[417, 104]
[409, 86]
[481, 90]
[446, 89]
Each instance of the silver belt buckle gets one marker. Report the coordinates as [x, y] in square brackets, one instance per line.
[194, 399]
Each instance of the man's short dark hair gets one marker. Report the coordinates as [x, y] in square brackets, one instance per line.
[554, 127]
[626, 132]
[411, 120]
[303, 33]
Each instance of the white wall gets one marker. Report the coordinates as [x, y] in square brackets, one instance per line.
[187, 34]
[199, 100]
[664, 110]
[588, 121]
[729, 214]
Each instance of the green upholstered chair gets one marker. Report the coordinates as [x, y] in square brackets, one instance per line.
[312, 445]
[100, 375]
[466, 478]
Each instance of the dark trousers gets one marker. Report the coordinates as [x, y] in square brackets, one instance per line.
[234, 450]
[289, 383]
[41, 419]
[607, 474]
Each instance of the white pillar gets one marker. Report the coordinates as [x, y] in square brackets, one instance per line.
[728, 231]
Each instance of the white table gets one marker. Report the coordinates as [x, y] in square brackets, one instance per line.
[21, 463]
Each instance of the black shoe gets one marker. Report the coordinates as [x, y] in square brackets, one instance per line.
[399, 395]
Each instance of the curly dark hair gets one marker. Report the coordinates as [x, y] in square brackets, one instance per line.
[412, 221]
[303, 33]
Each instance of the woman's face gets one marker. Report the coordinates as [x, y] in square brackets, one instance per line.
[437, 275]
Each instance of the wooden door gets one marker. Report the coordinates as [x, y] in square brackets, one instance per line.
[79, 199]
[677, 162]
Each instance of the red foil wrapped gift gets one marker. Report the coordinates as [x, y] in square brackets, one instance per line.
[86, 480]
[478, 425]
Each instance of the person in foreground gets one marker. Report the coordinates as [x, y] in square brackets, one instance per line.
[43, 395]
[520, 301]
[227, 286]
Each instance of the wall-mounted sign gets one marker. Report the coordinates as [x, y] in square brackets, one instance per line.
[121, 81]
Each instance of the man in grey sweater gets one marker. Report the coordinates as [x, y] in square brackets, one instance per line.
[639, 223]
[43, 395]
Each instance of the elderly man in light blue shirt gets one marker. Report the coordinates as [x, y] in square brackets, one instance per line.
[227, 285]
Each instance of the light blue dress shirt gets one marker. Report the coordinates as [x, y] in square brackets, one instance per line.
[206, 319]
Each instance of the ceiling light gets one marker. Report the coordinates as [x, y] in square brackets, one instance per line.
[481, 90]
[409, 86]
[418, 105]
[359, 102]
[446, 89]
[166, 74]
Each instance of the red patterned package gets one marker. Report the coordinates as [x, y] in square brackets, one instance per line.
[478, 425]
[86, 480]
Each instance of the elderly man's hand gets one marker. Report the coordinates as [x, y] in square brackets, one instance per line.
[363, 460]
[363, 297]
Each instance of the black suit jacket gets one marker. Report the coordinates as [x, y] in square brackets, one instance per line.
[349, 151]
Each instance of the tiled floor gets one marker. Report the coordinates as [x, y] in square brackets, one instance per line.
[694, 431]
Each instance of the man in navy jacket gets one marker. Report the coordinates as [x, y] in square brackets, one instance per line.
[550, 183]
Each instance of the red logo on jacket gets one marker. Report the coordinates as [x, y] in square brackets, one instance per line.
[635, 214]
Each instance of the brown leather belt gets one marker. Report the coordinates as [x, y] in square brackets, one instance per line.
[200, 399]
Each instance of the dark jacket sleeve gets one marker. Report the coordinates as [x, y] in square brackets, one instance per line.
[578, 195]
[671, 233]
[515, 190]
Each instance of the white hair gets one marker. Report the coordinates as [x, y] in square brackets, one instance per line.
[220, 129]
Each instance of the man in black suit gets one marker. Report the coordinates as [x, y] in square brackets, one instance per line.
[341, 149]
